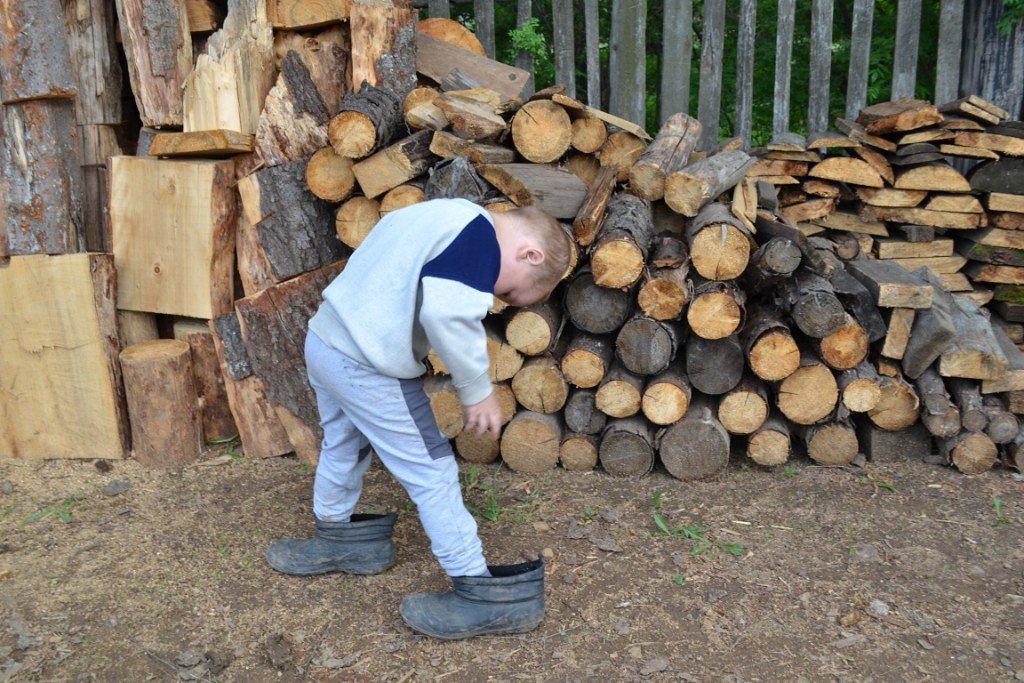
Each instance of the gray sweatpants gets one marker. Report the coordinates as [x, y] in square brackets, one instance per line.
[362, 409]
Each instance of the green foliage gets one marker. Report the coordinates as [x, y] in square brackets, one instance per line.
[1001, 518]
[61, 511]
[490, 508]
[1013, 15]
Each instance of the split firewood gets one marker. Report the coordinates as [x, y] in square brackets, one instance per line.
[892, 286]
[420, 112]
[472, 113]
[298, 14]
[934, 328]
[857, 133]
[714, 366]
[967, 397]
[394, 165]
[585, 167]
[627, 447]
[891, 197]
[592, 212]
[368, 120]
[847, 170]
[769, 445]
[620, 151]
[976, 107]
[974, 351]
[620, 249]
[901, 320]
[208, 143]
[326, 54]
[445, 405]
[293, 122]
[447, 146]
[551, 189]
[664, 290]
[1003, 144]
[669, 152]
[456, 178]
[697, 446]
[693, 186]
[898, 115]
[932, 177]
[506, 361]
[1014, 378]
[1002, 175]
[436, 59]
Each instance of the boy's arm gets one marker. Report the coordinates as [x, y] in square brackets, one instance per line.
[451, 314]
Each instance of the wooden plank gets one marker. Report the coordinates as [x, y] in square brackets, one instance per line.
[937, 264]
[676, 55]
[849, 222]
[783, 65]
[207, 143]
[709, 105]
[987, 272]
[173, 224]
[889, 248]
[890, 285]
[908, 33]
[947, 68]
[995, 237]
[821, 65]
[524, 60]
[60, 382]
[591, 26]
[628, 81]
[1004, 144]
[483, 14]
[1014, 378]
[296, 14]
[901, 320]
[436, 59]
[915, 216]
[860, 57]
[999, 201]
[610, 119]
[564, 45]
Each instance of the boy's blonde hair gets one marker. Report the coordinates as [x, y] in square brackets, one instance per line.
[555, 242]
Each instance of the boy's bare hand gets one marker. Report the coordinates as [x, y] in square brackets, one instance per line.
[484, 417]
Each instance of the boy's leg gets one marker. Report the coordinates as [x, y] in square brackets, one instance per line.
[395, 416]
[345, 455]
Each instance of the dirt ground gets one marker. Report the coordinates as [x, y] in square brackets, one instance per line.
[906, 571]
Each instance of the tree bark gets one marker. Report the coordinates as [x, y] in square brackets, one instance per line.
[696, 447]
[669, 152]
[619, 253]
[714, 366]
[581, 413]
[35, 61]
[596, 309]
[368, 120]
[293, 123]
[690, 188]
[627, 447]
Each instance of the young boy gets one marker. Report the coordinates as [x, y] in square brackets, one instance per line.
[424, 277]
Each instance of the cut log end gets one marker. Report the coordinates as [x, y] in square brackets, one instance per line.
[662, 299]
[578, 453]
[617, 263]
[715, 315]
[768, 447]
[774, 356]
[355, 219]
[352, 134]
[329, 175]
[832, 444]
[531, 442]
[809, 394]
[664, 403]
[720, 252]
[861, 395]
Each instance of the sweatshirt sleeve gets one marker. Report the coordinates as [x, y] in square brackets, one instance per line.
[452, 315]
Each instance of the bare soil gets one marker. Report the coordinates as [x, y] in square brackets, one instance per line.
[903, 571]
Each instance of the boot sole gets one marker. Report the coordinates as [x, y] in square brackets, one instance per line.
[360, 571]
[525, 628]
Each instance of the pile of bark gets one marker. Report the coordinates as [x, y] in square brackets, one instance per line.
[719, 300]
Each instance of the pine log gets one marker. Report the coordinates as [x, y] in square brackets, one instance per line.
[293, 123]
[40, 178]
[541, 131]
[329, 175]
[938, 413]
[627, 447]
[326, 56]
[531, 441]
[812, 304]
[967, 396]
[384, 40]
[669, 152]
[355, 219]
[716, 309]
[769, 346]
[766, 225]
[595, 309]
[620, 151]
[162, 403]
[693, 186]
[551, 189]
[620, 249]
[846, 347]
[587, 359]
[214, 409]
[367, 120]
[664, 290]
[533, 330]
[719, 243]
[744, 408]
[969, 452]
[294, 227]
[974, 351]
[714, 366]
[447, 146]
[578, 452]
[860, 387]
[696, 447]
[832, 443]
[394, 165]
[589, 134]
[581, 412]
[540, 386]
[472, 113]
[620, 392]
[35, 60]
[158, 48]
[666, 397]
[506, 361]
[592, 212]
[810, 394]
[647, 346]
[769, 445]
[260, 430]
[898, 407]
[1002, 426]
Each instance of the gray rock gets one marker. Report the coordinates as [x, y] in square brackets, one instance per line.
[6, 488]
[653, 666]
[878, 609]
[116, 488]
[865, 552]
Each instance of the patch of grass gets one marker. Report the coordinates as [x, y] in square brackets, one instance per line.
[588, 513]
[1001, 517]
[490, 509]
[656, 499]
[61, 511]
[698, 534]
[679, 580]
[789, 472]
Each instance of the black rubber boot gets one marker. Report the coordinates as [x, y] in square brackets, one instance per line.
[362, 545]
[511, 600]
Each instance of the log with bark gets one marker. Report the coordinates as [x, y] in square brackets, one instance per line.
[619, 252]
[620, 393]
[540, 385]
[693, 186]
[719, 243]
[717, 308]
[769, 445]
[627, 447]
[714, 366]
[596, 309]
[938, 413]
[669, 152]
[810, 394]
[367, 120]
[696, 447]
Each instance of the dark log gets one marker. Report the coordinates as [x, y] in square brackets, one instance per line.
[647, 346]
[595, 309]
[1003, 175]
[773, 228]
[35, 62]
[581, 413]
[456, 178]
[974, 351]
[714, 366]
[938, 413]
[858, 300]
[967, 396]
[933, 329]
[1002, 426]
[696, 447]
[627, 448]
[812, 303]
[891, 285]
[880, 445]
[773, 262]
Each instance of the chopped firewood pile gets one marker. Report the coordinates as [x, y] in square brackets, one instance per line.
[844, 293]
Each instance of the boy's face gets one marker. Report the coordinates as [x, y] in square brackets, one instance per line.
[521, 287]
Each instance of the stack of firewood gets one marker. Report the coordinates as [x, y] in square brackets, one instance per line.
[719, 300]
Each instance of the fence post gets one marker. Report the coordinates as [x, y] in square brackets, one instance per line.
[783, 56]
[993, 64]
[709, 103]
[628, 75]
[947, 67]
[524, 60]
[860, 57]
[590, 19]
[483, 12]
[439, 8]
[565, 48]
[745, 70]
[908, 34]
[821, 66]
[676, 55]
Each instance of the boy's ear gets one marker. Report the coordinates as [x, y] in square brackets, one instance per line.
[533, 255]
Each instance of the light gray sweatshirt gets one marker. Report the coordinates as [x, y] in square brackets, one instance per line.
[423, 277]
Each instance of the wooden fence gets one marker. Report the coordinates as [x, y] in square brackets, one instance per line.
[627, 55]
